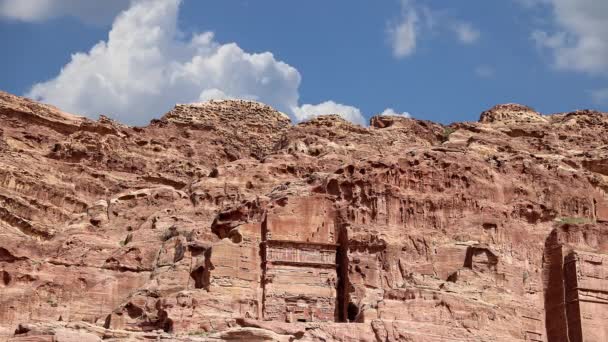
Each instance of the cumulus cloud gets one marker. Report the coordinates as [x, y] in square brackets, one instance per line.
[349, 113]
[144, 68]
[95, 12]
[578, 36]
[466, 33]
[392, 112]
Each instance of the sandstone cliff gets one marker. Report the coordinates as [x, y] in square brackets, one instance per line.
[223, 221]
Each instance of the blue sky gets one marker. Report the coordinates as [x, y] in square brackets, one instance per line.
[436, 60]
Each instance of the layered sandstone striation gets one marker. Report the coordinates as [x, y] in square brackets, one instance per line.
[223, 221]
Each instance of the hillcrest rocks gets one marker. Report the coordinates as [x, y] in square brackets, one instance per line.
[224, 221]
[511, 113]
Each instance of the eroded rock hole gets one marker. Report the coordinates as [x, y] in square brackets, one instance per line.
[353, 312]
[5, 278]
[200, 277]
[235, 236]
[165, 322]
[134, 311]
[6, 256]
[333, 188]
[490, 226]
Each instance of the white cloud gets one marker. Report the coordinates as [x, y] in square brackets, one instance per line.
[417, 21]
[485, 71]
[466, 33]
[600, 96]
[392, 112]
[532, 3]
[144, 69]
[90, 11]
[349, 113]
[578, 38]
[402, 34]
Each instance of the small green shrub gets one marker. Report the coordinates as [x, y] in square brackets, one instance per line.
[575, 220]
[447, 132]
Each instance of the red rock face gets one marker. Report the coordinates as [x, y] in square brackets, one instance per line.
[223, 221]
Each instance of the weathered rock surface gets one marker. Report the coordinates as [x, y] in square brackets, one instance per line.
[223, 221]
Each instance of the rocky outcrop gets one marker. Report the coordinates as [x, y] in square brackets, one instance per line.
[511, 113]
[223, 221]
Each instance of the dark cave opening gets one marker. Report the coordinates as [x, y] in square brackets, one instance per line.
[200, 277]
[134, 311]
[353, 312]
[6, 278]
